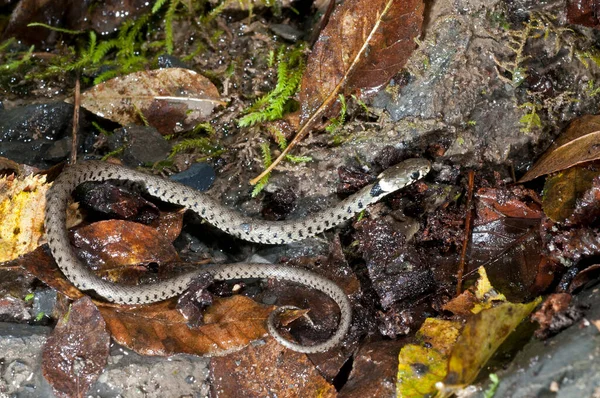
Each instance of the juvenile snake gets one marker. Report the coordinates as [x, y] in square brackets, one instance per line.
[228, 220]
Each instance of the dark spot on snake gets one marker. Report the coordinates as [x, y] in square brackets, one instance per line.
[173, 291]
[360, 204]
[349, 210]
[155, 296]
[203, 211]
[310, 230]
[376, 190]
[327, 222]
[290, 235]
[138, 300]
[300, 234]
[58, 260]
[339, 217]
[110, 174]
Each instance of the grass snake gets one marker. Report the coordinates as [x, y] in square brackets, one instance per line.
[228, 220]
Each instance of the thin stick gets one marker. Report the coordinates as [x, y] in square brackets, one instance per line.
[76, 106]
[467, 236]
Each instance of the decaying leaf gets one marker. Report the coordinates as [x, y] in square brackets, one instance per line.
[267, 370]
[454, 354]
[171, 100]
[579, 143]
[77, 350]
[22, 203]
[365, 43]
[563, 190]
[556, 314]
[160, 329]
[421, 366]
[510, 249]
[375, 364]
[481, 337]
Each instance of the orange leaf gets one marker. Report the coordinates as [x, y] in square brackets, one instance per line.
[160, 329]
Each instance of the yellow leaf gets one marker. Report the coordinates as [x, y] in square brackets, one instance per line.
[420, 367]
[480, 338]
[22, 203]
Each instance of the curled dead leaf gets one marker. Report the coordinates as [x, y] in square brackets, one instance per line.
[579, 143]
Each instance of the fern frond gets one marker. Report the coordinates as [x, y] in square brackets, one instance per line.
[169, 17]
[158, 5]
[267, 160]
[272, 106]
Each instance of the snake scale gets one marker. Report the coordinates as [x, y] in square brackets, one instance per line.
[228, 220]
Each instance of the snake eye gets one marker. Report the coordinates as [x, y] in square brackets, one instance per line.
[415, 175]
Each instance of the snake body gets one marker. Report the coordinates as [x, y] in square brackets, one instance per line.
[228, 220]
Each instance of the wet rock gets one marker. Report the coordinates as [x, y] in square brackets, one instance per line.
[140, 145]
[33, 122]
[199, 176]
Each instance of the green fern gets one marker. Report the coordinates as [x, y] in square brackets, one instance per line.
[272, 106]
[267, 160]
[158, 5]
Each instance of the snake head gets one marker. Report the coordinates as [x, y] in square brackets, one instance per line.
[400, 175]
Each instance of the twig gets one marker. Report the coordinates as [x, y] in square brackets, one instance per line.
[467, 235]
[76, 106]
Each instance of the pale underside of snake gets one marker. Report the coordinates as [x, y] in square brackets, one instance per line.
[228, 220]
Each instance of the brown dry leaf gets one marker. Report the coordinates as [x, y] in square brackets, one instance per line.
[579, 143]
[375, 364]
[160, 329]
[22, 203]
[365, 43]
[510, 249]
[563, 190]
[76, 352]
[515, 202]
[265, 371]
[171, 100]
[112, 245]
